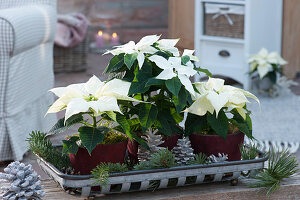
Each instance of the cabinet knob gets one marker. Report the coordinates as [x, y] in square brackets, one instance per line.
[224, 53]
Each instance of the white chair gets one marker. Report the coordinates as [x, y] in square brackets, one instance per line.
[27, 29]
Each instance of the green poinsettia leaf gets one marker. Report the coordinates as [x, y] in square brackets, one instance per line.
[174, 85]
[180, 100]
[140, 141]
[177, 117]
[272, 76]
[219, 124]
[129, 75]
[163, 126]
[91, 136]
[147, 115]
[194, 124]
[154, 81]
[112, 115]
[70, 146]
[166, 122]
[115, 63]
[61, 126]
[125, 125]
[142, 76]
[249, 122]
[244, 125]
[129, 59]
[205, 71]
[185, 59]
[138, 87]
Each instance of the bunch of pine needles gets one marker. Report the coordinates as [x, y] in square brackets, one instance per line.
[280, 166]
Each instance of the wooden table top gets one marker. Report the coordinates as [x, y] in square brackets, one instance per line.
[290, 189]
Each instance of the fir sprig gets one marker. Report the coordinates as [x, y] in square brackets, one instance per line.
[249, 152]
[200, 159]
[42, 146]
[280, 166]
[162, 159]
[102, 171]
[142, 165]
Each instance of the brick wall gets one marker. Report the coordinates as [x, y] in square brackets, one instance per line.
[132, 19]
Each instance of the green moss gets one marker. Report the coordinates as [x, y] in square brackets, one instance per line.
[113, 138]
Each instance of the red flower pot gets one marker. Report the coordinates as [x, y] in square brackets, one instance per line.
[169, 142]
[83, 162]
[214, 144]
[132, 147]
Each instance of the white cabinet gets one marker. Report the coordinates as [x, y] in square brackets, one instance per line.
[227, 32]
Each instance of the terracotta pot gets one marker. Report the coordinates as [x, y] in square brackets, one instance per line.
[170, 143]
[214, 144]
[83, 162]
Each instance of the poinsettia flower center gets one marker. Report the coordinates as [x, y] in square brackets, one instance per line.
[91, 98]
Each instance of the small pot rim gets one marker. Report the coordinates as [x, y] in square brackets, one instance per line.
[236, 133]
[107, 144]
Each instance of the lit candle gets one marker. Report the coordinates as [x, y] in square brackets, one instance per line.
[115, 39]
[99, 39]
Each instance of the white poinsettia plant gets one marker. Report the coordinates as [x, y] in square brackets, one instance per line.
[93, 98]
[159, 75]
[153, 92]
[216, 106]
[266, 64]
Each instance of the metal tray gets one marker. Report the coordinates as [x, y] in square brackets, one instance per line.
[145, 179]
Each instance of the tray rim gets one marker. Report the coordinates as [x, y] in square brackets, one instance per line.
[149, 171]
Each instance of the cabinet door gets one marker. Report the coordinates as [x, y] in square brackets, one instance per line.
[291, 37]
[181, 22]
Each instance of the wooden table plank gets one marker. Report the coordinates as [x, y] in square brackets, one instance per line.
[221, 191]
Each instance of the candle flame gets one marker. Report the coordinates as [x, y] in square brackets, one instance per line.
[114, 35]
[100, 33]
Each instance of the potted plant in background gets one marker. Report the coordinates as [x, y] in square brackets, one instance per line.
[89, 104]
[218, 119]
[160, 77]
[265, 69]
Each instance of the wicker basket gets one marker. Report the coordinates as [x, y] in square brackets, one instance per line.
[71, 59]
[224, 22]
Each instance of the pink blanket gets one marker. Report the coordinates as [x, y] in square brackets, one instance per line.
[70, 29]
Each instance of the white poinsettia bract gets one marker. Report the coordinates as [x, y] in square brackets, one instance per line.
[144, 46]
[173, 68]
[168, 45]
[214, 95]
[263, 61]
[94, 95]
[189, 53]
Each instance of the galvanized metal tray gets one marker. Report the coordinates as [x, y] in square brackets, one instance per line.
[162, 178]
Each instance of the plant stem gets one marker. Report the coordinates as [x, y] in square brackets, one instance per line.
[100, 120]
[94, 121]
[85, 123]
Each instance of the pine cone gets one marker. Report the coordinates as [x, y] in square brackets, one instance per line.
[24, 182]
[221, 158]
[153, 141]
[183, 151]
